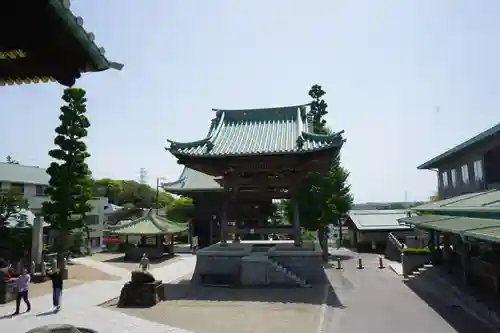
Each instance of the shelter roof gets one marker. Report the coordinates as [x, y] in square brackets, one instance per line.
[149, 224]
[484, 229]
[192, 180]
[270, 131]
[377, 220]
[478, 202]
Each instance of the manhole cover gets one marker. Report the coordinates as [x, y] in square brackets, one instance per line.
[54, 328]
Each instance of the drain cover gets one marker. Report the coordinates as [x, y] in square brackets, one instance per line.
[60, 329]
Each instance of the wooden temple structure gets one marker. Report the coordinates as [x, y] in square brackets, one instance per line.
[51, 45]
[251, 212]
[248, 158]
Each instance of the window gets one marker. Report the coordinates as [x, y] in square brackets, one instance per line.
[444, 177]
[453, 177]
[465, 174]
[18, 187]
[478, 170]
[40, 190]
[92, 219]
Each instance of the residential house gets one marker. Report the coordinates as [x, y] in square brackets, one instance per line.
[472, 166]
[32, 181]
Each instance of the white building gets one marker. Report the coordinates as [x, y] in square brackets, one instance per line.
[32, 181]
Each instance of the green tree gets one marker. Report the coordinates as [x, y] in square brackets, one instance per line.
[323, 199]
[70, 185]
[181, 210]
[434, 197]
[318, 109]
[10, 160]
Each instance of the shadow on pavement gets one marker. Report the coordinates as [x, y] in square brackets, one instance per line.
[152, 261]
[450, 311]
[46, 313]
[6, 316]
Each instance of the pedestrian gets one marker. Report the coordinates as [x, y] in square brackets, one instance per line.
[144, 263]
[22, 284]
[57, 287]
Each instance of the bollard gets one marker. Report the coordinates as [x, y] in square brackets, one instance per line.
[381, 262]
[339, 263]
[43, 268]
[360, 263]
[32, 267]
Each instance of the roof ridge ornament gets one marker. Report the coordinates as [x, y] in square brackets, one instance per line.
[210, 146]
[300, 142]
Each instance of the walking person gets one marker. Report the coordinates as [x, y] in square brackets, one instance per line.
[144, 263]
[57, 286]
[22, 284]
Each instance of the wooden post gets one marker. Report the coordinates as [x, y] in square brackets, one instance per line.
[297, 237]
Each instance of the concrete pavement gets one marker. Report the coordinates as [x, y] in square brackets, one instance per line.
[377, 300]
[80, 306]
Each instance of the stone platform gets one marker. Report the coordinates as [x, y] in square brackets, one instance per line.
[260, 263]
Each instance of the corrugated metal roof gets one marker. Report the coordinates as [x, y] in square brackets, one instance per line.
[433, 163]
[17, 173]
[192, 180]
[150, 224]
[378, 219]
[419, 219]
[459, 225]
[491, 234]
[489, 198]
[258, 131]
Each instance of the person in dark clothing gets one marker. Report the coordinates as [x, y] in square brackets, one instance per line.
[57, 286]
[22, 283]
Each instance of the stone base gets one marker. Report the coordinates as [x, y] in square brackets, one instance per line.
[248, 263]
[7, 291]
[142, 291]
[38, 278]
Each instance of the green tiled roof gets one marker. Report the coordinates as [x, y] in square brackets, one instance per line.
[487, 201]
[419, 219]
[271, 131]
[367, 220]
[191, 180]
[150, 224]
[491, 234]
[454, 224]
[434, 163]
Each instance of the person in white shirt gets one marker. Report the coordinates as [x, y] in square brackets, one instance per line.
[22, 284]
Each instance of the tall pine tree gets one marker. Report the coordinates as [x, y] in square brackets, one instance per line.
[323, 199]
[70, 185]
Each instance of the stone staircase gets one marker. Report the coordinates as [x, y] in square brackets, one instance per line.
[287, 272]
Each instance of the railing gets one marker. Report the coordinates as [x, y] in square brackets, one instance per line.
[393, 239]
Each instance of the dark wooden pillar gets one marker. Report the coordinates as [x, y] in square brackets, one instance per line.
[297, 236]
[466, 264]
[224, 219]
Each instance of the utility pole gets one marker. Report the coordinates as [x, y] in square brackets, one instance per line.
[158, 193]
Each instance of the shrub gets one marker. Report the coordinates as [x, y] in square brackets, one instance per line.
[416, 251]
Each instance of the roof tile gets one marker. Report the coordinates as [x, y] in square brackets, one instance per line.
[261, 131]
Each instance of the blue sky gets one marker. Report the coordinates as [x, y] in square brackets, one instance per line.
[387, 67]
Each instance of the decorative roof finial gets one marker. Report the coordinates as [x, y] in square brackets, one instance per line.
[300, 142]
[210, 146]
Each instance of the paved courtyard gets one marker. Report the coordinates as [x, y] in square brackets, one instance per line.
[80, 304]
[374, 300]
[358, 300]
